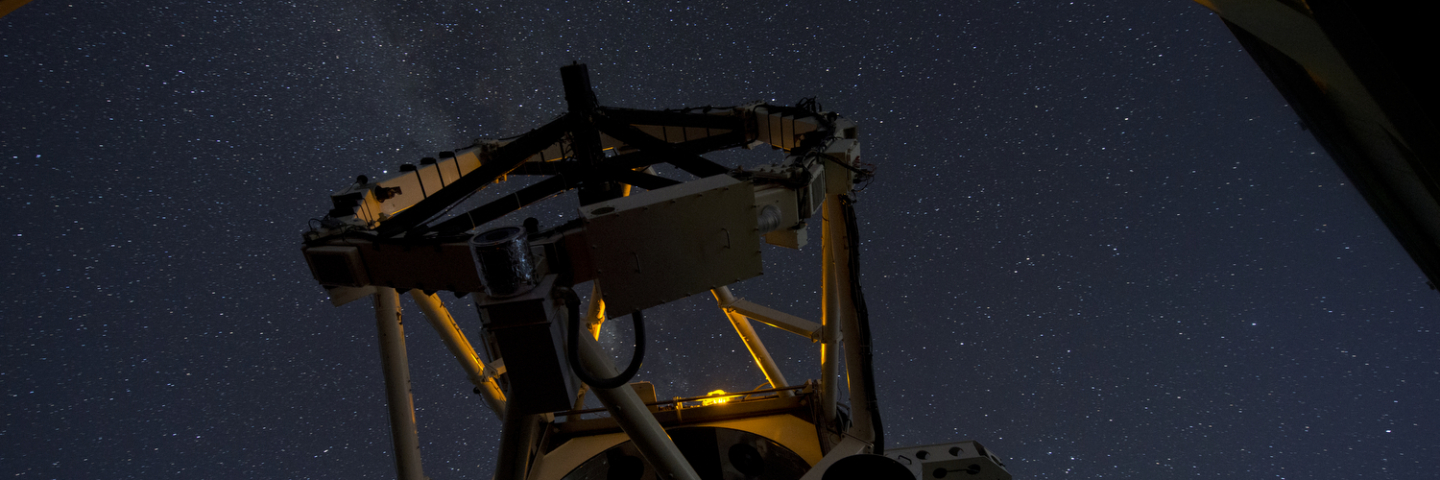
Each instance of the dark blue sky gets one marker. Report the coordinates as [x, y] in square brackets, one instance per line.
[1099, 241]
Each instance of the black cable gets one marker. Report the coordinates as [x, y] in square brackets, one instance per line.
[862, 315]
[572, 302]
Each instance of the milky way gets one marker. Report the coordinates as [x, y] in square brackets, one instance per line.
[1098, 241]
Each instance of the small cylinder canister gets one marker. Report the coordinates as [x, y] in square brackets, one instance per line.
[503, 257]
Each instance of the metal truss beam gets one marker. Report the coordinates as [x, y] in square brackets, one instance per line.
[752, 341]
[460, 348]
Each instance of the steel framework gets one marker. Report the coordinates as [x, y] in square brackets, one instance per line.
[645, 248]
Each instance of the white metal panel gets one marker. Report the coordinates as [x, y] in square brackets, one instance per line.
[662, 245]
[409, 193]
[430, 181]
[467, 160]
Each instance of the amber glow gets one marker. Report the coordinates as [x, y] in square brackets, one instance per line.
[716, 398]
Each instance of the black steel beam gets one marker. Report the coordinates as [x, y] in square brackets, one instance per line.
[505, 159]
[544, 189]
[645, 158]
[687, 161]
[713, 121]
[501, 206]
[541, 168]
[584, 139]
[639, 179]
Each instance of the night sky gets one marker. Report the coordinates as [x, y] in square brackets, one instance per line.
[1098, 240]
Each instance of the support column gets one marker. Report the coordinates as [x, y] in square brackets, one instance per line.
[635, 418]
[752, 341]
[396, 367]
[460, 348]
[832, 232]
[862, 426]
[517, 436]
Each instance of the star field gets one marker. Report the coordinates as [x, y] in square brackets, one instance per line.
[1098, 240]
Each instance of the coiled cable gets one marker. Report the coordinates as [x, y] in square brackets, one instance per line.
[572, 303]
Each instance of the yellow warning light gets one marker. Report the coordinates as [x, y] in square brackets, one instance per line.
[716, 398]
